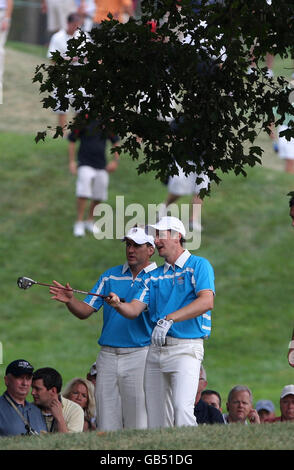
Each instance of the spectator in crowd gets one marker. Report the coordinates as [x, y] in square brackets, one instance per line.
[120, 397]
[61, 414]
[265, 409]
[286, 405]
[213, 398]
[179, 296]
[91, 375]
[92, 171]
[82, 392]
[58, 42]
[240, 406]
[121, 10]
[17, 416]
[6, 8]
[205, 413]
[57, 12]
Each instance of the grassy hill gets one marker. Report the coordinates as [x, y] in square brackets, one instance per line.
[247, 237]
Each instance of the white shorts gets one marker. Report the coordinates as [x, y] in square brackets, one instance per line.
[57, 13]
[182, 185]
[92, 183]
[285, 147]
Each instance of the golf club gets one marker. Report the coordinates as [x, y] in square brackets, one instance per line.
[27, 282]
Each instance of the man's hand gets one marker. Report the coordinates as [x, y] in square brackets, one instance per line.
[253, 417]
[62, 295]
[113, 300]
[160, 331]
[56, 410]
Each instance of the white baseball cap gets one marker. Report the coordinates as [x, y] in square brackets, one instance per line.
[287, 390]
[139, 236]
[170, 223]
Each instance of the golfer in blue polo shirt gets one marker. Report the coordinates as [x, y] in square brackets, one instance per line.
[120, 397]
[179, 296]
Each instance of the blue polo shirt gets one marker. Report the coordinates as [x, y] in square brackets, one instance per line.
[168, 288]
[11, 423]
[118, 331]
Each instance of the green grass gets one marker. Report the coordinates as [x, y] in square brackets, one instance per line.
[247, 237]
[278, 436]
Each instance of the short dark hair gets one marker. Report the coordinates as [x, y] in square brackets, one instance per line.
[51, 378]
[212, 392]
[291, 202]
[73, 17]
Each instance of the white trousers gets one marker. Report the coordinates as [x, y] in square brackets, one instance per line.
[120, 397]
[172, 376]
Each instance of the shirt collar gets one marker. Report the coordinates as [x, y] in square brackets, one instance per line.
[148, 268]
[179, 262]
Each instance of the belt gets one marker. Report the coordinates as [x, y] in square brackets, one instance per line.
[169, 340]
[122, 350]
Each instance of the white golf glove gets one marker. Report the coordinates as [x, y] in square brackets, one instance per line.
[160, 331]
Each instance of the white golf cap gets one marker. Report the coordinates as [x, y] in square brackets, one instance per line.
[287, 390]
[170, 223]
[139, 236]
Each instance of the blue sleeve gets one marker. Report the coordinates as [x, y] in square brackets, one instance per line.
[95, 301]
[142, 292]
[204, 276]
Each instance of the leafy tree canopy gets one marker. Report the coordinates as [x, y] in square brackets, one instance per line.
[192, 69]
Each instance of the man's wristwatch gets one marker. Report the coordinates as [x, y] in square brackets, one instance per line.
[162, 321]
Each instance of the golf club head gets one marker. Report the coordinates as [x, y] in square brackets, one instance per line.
[25, 282]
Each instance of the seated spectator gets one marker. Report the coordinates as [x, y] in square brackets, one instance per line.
[17, 416]
[205, 413]
[240, 406]
[61, 414]
[92, 374]
[82, 392]
[286, 405]
[266, 410]
[213, 398]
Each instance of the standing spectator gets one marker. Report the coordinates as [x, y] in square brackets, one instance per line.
[58, 42]
[240, 406]
[57, 12]
[213, 398]
[6, 8]
[82, 392]
[204, 412]
[265, 409]
[179, 296]
[121, 10]
[185, 185]
[92, 173]
[87, 9]
[17, 416]
[120, 398]
[286, 405]
[291, 344]
[61, 414]
[284, 147]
